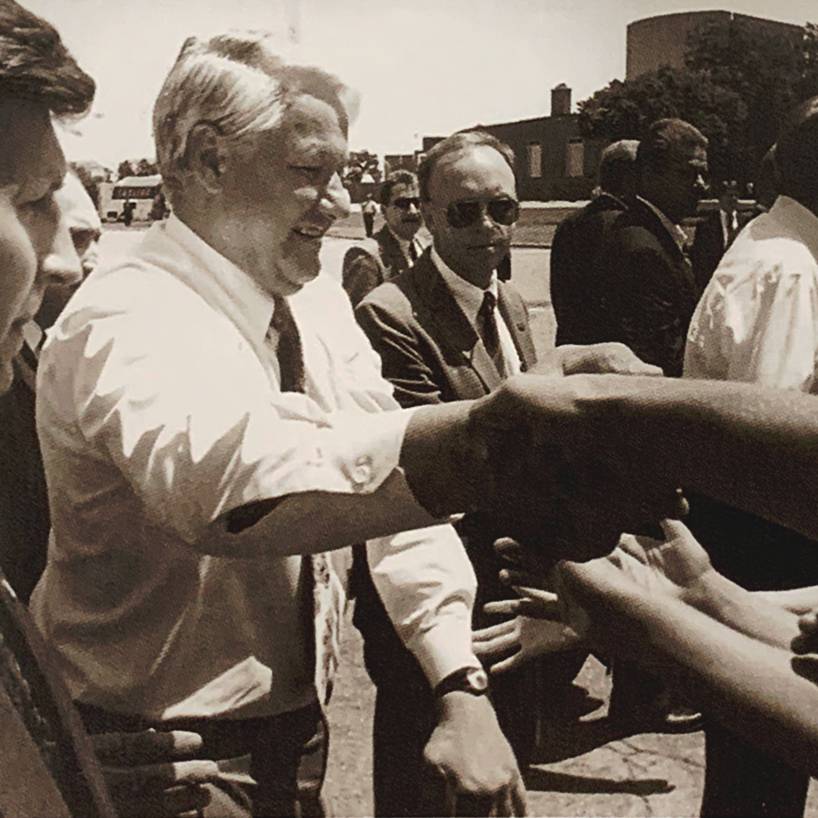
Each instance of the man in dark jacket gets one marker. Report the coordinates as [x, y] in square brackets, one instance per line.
[577, 283]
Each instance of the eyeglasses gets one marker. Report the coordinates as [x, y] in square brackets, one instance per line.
[463, 214]
[405, 202]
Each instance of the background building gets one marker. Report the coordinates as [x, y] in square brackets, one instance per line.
[662, 40]
[553, 160]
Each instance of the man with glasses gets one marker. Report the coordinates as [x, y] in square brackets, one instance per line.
[449, 330]
[395, 247]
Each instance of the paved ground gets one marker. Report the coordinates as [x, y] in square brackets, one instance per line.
[583, 769]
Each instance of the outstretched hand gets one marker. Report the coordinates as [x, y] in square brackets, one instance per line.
[560, 462]
[152, 773]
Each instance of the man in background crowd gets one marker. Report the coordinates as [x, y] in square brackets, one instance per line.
[651, 290]
[715, 233]
[578, 284]
[396, 246]
[758, 322]
[24, 517]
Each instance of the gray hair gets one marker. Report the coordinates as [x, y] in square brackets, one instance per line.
[239, 85]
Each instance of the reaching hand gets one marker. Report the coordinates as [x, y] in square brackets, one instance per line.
[146, 775]
[512, 643]
[559, 463]
[469, 752]
[607, 358]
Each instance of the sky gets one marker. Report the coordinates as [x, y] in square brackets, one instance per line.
[423, 67]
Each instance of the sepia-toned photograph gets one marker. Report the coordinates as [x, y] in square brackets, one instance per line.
[406, 408]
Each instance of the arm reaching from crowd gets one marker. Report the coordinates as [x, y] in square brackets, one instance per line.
[153, 773]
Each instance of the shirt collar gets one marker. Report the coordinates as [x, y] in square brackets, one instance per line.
[468, 296]
[677, 234]
[254, 306]
[799, 219]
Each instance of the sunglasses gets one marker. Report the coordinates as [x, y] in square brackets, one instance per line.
[464, 214]
[405, 202]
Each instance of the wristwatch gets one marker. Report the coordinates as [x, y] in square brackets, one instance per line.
[472, 680]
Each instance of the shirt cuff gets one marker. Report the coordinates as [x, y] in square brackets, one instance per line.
[446, 647]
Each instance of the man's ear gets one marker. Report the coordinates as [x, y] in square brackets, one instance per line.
[205, 156]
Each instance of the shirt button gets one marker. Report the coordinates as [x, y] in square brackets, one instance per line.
[362, 470]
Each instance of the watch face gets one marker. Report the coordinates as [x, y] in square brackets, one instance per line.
[478, 679]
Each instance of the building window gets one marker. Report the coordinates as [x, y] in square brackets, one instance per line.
[534, 160]
[575, 157]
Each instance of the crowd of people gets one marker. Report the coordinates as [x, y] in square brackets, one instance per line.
[228, 444]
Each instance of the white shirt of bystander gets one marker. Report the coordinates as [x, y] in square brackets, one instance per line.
[757, 320]
[158, 411]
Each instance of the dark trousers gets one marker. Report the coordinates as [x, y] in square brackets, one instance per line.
[276, 764]
[369, 223]
[741, 780]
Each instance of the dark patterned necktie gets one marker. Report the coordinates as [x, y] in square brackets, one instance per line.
[487, 328]
[322, 586]
[288, 350]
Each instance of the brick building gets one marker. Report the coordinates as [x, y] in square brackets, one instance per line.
[553, 160]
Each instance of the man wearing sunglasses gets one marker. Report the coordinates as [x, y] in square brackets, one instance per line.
[395, 247]
[449, 330]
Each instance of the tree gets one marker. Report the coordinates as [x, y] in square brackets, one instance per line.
[146, 168]
[624, 110]
[738, 82]
[771, 71]
[125, 169]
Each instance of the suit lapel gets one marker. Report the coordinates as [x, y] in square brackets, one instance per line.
[453, 326]
[393, 259]
[514, 313]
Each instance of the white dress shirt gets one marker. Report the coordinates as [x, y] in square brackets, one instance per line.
[158, 411]
[757, 320]
[469, 298]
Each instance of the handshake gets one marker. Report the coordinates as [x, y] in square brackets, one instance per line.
[561, 457]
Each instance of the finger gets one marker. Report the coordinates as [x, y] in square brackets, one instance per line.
[128, 749]
[676, 530]
[166, 804]
[503, 607]
[493, 631]
[806, 667]
[509, 549]
[160, 776]
[804, 643]
[501, 646]
[518, 797]
[808, 622]
[513, 576]
[505, 665]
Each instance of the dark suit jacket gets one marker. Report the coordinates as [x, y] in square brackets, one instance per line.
[650, 289]
[577, 284]
[378, 259]
[709, 245]
[24, 515]
[431, 353]
[429, 350]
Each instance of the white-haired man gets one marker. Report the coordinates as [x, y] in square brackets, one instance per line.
[202, 431]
